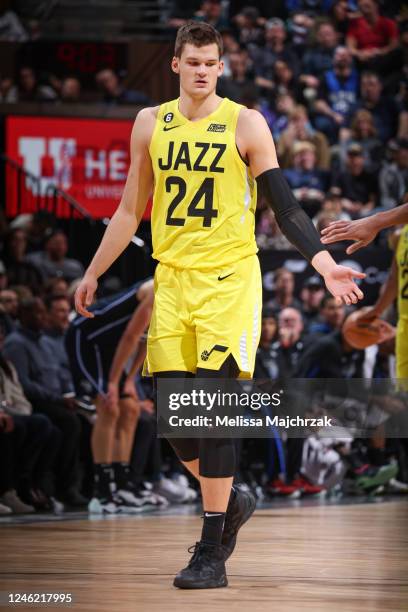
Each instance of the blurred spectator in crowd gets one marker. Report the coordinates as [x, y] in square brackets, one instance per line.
[319, 59]
[312, 294]
[358, 186]
[331, 317]
[339, 15]
[249, 25]
[58, 309]
[363, 132]
[181, 11]
[276, 48]
[55, 286]
[267, 8]
[30, 90]
[3, 276]
[284, 107]
[20, 271]
[113, 92]
[230, 46]
[211, 11]
[284, 291]
[308, 183]
[372, 38]
[337, 94]
[9, 305]
[284, 79]
[384, 109]
[268, 233]
[299, 129]
[39, 226]
[300, 26]
[394, 177]
[43, 385]
[11, 28]
[265, 362]
[27, 457]
[234, 86]
[52, 262]
[70, 90]
[8, 91]
[332, 207]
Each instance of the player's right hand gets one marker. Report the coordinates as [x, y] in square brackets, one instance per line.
[84, 295]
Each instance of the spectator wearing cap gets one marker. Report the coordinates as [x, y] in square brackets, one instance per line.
[300, 129]
[394, 177]
[284, 291]
[371, 38]
[337, 94]
[331, 317]
[311, 295]
[363, 132]
[358, 186]
[308, 183]
[384, 109]
[19, 270]
[52, 262]
[276, 49]
[319, 59]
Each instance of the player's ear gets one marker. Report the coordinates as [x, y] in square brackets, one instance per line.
[220, 68]
[175, 64]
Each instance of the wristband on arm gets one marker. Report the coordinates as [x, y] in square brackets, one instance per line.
[291, 218]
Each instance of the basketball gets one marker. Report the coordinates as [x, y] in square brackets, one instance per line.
[361, 333]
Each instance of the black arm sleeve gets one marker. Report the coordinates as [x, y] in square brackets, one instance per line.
[291, 218]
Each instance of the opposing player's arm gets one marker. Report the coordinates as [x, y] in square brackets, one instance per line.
[255, 144]
[127, 216]
[363, 231]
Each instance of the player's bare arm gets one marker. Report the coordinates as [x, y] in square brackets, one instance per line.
[364, 231]
[128, 215]
[130, 339]
[388, 294]
[255, 144]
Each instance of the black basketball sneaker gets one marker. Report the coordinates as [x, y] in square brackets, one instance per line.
[240, 509]
[206, 568]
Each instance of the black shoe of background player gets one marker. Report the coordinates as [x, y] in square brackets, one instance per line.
[206, 569]
[240, 509]
[74, 498]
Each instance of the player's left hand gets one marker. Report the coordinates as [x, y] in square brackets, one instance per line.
[339, 281]
[362, 231]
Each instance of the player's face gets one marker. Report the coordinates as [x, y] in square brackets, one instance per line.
[199, 69]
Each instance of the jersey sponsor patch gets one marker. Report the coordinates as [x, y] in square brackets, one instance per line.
[217, 127]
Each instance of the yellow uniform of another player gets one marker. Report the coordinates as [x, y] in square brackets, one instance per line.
[208, 294]
[402, 329]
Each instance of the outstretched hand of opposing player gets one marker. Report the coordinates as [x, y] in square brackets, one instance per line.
[84, 296]
[362, 231]
[340, 282]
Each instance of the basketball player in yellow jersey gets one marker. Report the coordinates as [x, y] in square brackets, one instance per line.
[204, 158]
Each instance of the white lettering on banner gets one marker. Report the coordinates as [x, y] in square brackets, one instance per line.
[103, 192]
[98, 164]
[117, 165]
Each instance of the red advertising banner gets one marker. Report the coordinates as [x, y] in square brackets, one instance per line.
[88, 158]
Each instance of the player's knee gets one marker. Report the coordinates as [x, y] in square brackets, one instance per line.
[129, 410]
[217, 458]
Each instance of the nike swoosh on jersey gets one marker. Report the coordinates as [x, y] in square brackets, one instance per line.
[170, 127]
[220, 278]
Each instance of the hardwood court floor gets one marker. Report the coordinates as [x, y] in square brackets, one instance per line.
[347, 558]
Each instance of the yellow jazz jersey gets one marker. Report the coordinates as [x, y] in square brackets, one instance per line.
[402, 328]
[204, 195]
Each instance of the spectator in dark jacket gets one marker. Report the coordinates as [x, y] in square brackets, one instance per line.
[43, 385]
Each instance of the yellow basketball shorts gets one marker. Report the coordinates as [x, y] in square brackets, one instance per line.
[401, 352]
[201, 317]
